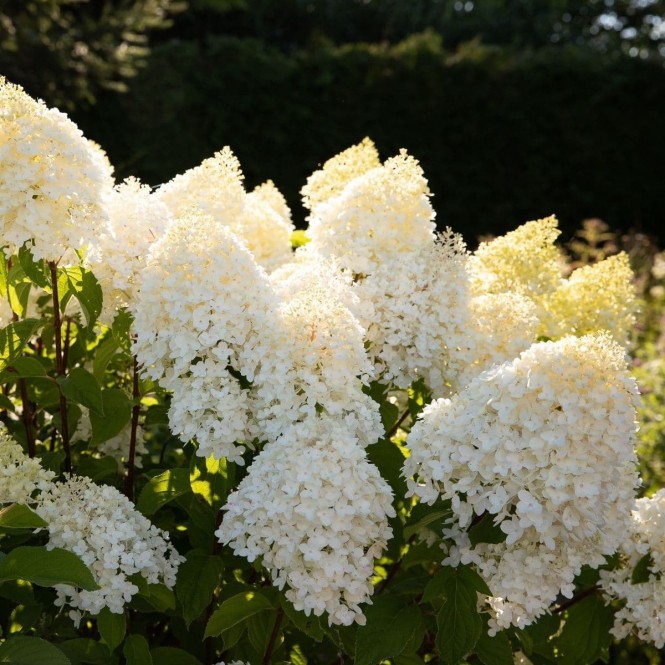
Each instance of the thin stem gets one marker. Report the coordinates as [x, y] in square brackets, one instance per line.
[273, 637]
[26, 412]
[60, 367]
[136, 394]
[575, 599]
[396, 426]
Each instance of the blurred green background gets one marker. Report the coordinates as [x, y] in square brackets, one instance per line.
[515, 109]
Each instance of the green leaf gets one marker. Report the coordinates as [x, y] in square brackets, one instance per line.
[173, 656]
[390, 625]
[121, 329]
[235, 610]
[117, 415]
[103, 354]
[112, 627]
[82, 651]
[419, 397]
[13, 339]
[83, 285]
[642, 571]
[31, 651]
[209, 478]
[585, 636]
[4, 275]
[97, 468]
[310, 625]
[18, 290]
[197, 580]
[136, 651]
[159, 596]
[81, 387]
[23, 368]
[18, 516]
[388, 458]
[389, 414]
[36, 271]
[427, 517]
[485, 531]
[495, 650]
[163, 488]
[46, 568]
[458, 621]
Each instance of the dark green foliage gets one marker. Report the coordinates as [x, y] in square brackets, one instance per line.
[503, 136]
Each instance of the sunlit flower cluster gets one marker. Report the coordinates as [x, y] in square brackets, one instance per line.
[102, 527]
[643, 611]
[315, 510]
[20, 476]
[42, 152]
[544, 445]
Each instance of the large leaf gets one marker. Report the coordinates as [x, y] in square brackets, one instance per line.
[85, 651]
[121, 329]
[390, 625]
[495, 650]
[585, 636]
[459, 623]
[117, 414]
[81, 387]
[173, 656]
[210, 479]
[13, 339]
[163, 488]
[46, 568]
[235, 610]
[36, 271]
[136, 651]
[23, 368]
[197, 579]
[83, 285]
[18, 516]
[111, 627]
[31, 651]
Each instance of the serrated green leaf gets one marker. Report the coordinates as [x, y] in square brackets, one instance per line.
[82, 651]
[97, 468]
[103, 354]
[163, 488]
[159, 596]
[13, 339]
[46, 568]
[36, 271]
[433, 519]
[23, 368]
[22, 650]
[485, 531]
[18, 516]
[81, 387]
[136, 651]
[236, 610]
[83, 285]
[198, 578]
[459, 623]
[310, 625]
[585, 636]
[259, 628]
[116, 416]
[18, 290]
[388, 458]
[112, 627]
[209, 478]
[121, 328]
[390, 625]
[172, 656]
[4, 275]
[641, 573]
[495, 650]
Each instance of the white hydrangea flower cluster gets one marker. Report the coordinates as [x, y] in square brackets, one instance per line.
[102, 527]
[20, 476]
[383, 213]
[261, 218]
[543, 443]
[316, 511]
[420, 323]
[137, 219]
[42, 152]
[203, 320]
[644, 609]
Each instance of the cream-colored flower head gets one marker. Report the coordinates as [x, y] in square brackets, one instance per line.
[214, 187]
[53, 181]
[137, 218]
[338, 172]
[316, 510]
[20, 476]
[600, 296]
[545, 445]
[377, 216]
[524, 261]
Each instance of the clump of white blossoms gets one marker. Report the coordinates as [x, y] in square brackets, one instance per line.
[102, 527]
[42, 152]
[315, 511]
[203, 322]
[261, 218]
[420, 323]
[544, 445]
[20, 476]
[378, 215]
[644, 610]
[137, 219]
